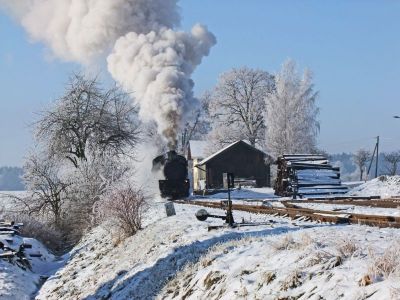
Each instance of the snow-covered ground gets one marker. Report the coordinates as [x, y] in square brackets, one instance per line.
[247, 193]
[354, 209]
[384, 186]
[177, 258]
[8, 200]
[18, 282]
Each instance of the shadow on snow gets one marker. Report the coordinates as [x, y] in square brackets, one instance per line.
[146, 284]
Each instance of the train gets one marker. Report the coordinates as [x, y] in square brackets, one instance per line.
[174, 167]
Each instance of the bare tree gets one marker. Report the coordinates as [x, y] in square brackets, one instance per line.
[237, 104]
[47, 190]
[392, 160]
[361, 158]
[88, 119]
[95, 130]
[291, 113]
[197, 126]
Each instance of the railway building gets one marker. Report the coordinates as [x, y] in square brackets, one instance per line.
[250, 165]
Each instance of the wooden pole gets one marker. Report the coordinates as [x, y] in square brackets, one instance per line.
[377, 156]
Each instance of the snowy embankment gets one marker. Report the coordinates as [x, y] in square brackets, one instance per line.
[20, 279]
[177, 258]
[384, 186]
[17, 281]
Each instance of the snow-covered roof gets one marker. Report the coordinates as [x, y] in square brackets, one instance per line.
[222, 150]
[197, 148]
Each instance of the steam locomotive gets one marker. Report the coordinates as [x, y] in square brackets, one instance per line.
[175, 169]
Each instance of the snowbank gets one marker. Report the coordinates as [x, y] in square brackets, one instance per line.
[16, 280]
[384, 186]
[315, 263]
[176, 258]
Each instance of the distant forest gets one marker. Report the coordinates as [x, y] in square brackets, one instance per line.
[10, 179]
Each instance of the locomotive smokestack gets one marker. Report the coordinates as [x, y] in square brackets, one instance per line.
[171, 154]
[172, 146]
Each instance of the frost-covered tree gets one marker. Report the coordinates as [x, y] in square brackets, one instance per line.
[197, 125]
[361, 158]
[86, 142]
[47, 189]
[291, 113]
[236, 106]
[86, 119]
[392, 160]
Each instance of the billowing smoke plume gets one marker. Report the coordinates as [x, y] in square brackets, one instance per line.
[157, 66]
[146, 55]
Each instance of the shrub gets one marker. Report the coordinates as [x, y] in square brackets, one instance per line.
[346, 247]
[386, 264]
[125, 206]
[285, 243]
[45, 233]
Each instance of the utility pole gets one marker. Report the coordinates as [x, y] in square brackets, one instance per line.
[377, 156]
[375, 153]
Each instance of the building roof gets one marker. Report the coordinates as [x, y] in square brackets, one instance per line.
[207, 159]
[197, 149]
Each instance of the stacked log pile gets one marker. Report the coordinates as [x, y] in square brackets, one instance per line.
[306, 175]
[12, 246]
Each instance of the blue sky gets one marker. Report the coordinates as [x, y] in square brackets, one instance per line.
[352, 47]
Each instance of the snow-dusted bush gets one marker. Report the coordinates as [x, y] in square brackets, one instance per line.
[32, 227]
[268, 276]
[346, 247]
[125, 207]
[49, 236]
[285, 243]
[292, 281]
[387, 264]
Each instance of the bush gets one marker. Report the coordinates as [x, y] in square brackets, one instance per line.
[387, 264]
[125, 206]
[44, 233]
[346, 247]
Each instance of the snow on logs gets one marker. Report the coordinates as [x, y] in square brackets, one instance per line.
[12, 246]
[307, 174]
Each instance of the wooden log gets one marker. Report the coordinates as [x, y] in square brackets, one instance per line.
[8, 254]
[35, 254]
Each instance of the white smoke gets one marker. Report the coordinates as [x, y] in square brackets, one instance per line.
[82, 30]
[149, 58]
[157, 67]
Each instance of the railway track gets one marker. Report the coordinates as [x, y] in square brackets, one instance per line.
[306, 214]
[381, 203]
